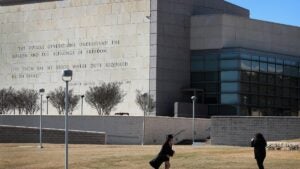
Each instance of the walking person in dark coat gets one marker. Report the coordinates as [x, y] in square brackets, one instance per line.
[259, 143]
[164, 155]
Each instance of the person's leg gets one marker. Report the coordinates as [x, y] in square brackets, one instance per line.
[167, 165]
[260, 163]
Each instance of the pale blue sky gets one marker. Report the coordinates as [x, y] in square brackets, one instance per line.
[278, 11]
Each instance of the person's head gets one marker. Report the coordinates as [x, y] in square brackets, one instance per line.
[259, 136]
[169, 139]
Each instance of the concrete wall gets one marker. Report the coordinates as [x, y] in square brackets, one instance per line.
[13, 134]
[238, 131]
[120, 129]
[156, 129]
[170, 46]
[223, 31]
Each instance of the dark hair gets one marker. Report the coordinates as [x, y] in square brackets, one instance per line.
[169, 137]
[259, 136]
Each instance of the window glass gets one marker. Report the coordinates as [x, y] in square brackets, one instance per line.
[255, 58]
[286, 81]
[271, 60]
[211, 87]
[294, 92]
[211, 65]
[286, 92]
[271, 90]
[246, 64]
[229, 76]
[271, 68]
[197, 76]
[263, 89]
[279, 68]
[245, 88]
[293, 82]
[245, 99]
[262, 100]
[263, 67]
[290, 62]
[278, 91]
[211, 99]
[254, 88]
[230, 64]
[245, 76]
[278, 101]
[211, 76]
[229, 98]
[197, 65]
[290, 70]
[254, 100]
[230, 87]
[246, 56]
[255, 66]
[271, 79]
[263, 59]
[285, 102]
[263, 78]
[279, 61]
[211, 56]
[254, 77]
[270, 101]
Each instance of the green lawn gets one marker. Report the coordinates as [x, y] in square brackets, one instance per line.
[28, 156]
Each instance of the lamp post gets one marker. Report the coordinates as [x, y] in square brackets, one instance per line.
[82, 96]
[42, 91]
[194, 98]
[67, 77]
[47, 97]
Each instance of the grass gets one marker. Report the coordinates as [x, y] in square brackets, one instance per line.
[29, 156]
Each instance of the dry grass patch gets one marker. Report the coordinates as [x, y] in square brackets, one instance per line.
[28, 156]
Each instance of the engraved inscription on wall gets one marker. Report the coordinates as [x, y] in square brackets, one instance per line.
[68, 50]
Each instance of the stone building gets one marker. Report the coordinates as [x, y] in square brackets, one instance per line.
[171, 48]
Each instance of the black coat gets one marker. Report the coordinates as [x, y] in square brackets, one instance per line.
[162, 156]
[259, 148]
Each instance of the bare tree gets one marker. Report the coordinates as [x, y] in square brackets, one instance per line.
[145, 102]
[105, 97]
[6, 100]
[24, 100]
[57, 99]
[30, 101]
[19, 98]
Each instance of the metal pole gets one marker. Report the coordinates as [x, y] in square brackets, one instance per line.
[82, 105]
[66, 126]
[193, 120]
[41, 146]
[47, 103]
[143, 135]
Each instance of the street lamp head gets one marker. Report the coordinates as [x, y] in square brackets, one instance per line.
[82, 96]
[67, 75]
[41, 91]
[193, 98]
[47, 97]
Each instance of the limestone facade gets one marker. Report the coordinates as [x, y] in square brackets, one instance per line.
[100, 40]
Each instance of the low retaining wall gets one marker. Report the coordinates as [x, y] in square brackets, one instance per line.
[120, 129]
[15, 134]
[156, 129]
[238, 131]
